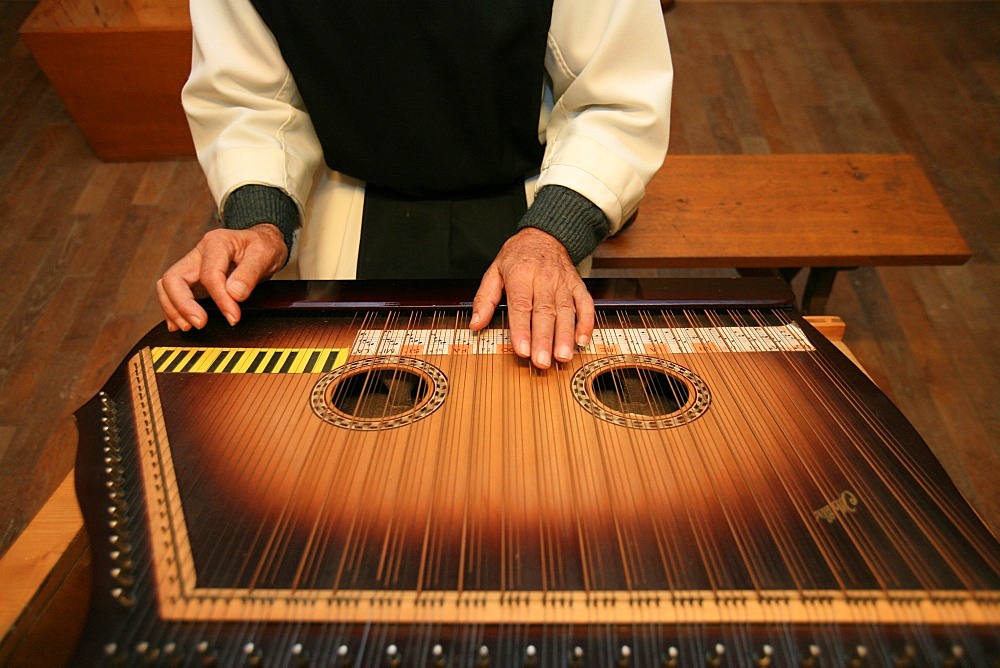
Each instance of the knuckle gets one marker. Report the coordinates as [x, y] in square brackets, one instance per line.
[519, 303]
[217, 233]
[546, 309]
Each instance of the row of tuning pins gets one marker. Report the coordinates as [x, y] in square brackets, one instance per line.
[714, 658]
[254, 656]
[120, 544]
[483, 658]
[576, 658]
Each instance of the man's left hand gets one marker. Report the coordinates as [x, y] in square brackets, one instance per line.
[549, 308]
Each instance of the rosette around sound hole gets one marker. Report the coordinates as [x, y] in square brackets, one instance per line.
[641, 391]
[379, 393]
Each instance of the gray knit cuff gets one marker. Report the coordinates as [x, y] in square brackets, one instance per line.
[255, 204]
[570, 217]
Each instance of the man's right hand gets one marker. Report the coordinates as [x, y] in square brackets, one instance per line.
[225, 265]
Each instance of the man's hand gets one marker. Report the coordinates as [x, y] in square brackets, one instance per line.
[548, 305]
[227, 265]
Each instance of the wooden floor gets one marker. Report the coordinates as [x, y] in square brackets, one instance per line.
[82, 242]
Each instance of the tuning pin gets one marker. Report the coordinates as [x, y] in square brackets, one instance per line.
[670, 659]
[121, 546]
[123, 597]
[120, 535]
[483, 656]
[207, 656]
[121, 577]
[108, 404]
[906, 657]
[859, 656]
[253, 653]
[344, 656]
[300, 657]
[392, 656]
[625, 656]
[114, 655]
[119, 530]
[437, 656]
[530, 656]
[148, 654]
[953, 657]
[122, 559]
[714, 657]
[576, 657]
[171, 655]
[765, 658]
[811, 656]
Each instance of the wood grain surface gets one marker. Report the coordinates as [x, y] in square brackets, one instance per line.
[817, 210]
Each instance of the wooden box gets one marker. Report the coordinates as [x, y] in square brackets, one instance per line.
[119, 66]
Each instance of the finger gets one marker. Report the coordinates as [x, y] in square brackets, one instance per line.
[487, 299]
[215, 267]
[170, 314]
[260, 251]
[585, 314]
[543, 325]
[520, 301]
[257, 264]
[176, 296]
[565, 328]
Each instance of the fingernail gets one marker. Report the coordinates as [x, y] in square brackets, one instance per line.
[523, 348]
[171, 327]
[238, 289]
[196, 321]
[475, 319]
[582, 340]
[543, 360]
[564, 353]
[231, 319]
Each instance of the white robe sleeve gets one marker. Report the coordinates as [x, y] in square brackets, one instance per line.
[611, 77]
[246, 117]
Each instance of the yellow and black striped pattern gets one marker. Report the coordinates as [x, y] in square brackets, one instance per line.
[247, 360]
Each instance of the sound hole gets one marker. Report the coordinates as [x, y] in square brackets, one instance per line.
[640, 391]
[379, 393]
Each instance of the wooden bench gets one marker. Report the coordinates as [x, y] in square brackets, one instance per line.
[765, 212]
[120, 64]
[45, 579]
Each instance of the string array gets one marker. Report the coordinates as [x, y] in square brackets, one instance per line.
[368, 486]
